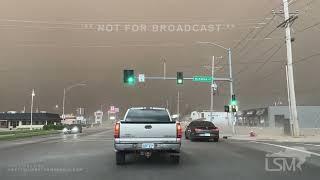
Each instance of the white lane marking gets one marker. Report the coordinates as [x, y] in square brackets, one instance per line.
[291, 148]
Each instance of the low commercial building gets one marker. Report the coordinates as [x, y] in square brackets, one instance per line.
[23, 120]
[279, 116]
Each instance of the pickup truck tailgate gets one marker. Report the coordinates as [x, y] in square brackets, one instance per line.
[144, 131]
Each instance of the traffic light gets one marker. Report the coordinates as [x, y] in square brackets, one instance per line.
[128, 77]
[226, 108]
[179, 77]
[233, 100]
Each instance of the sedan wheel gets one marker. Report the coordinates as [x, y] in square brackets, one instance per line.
[186, 136]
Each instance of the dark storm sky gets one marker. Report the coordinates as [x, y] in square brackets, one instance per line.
[43, 47]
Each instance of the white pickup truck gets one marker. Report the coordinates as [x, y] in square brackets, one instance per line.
[145, 131]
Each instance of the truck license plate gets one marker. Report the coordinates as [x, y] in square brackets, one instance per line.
[147, 145]
[206, 134]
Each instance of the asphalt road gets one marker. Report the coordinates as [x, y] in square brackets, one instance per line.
[91, 156]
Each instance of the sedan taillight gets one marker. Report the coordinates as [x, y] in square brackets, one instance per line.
[117, 130]
[179, 130]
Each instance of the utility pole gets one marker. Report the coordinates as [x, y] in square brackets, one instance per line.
[230, 73]
[289, 103]
[291, 92]
[233, 119]
[63, 103]
[212, 86]
[65, 90]
[31, 110]
[164, 69]
[178, 104]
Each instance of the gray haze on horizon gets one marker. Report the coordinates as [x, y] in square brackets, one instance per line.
[43, 47]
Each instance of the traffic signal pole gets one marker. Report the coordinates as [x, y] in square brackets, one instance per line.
[230, 72]
[211, 88]
[233, 119]
[230, 79]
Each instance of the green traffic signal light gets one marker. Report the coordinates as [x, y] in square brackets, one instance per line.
[131, 80]
[179, 77]
[128, 77]
[233, 100]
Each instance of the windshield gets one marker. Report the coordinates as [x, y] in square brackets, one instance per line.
[147, 115]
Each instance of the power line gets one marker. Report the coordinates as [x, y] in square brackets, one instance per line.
[260, 55]
[306, 58]
[283, 67]
[309, 27]
[265, 17]
[257, 43]
[253, 37]
[274, 53]
[273, 30]
[307, 4]
[245, 37]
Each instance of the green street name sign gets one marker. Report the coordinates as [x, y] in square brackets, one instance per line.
[207, 79]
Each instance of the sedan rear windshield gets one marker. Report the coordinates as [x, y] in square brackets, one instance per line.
[147, 115]
[201, 123]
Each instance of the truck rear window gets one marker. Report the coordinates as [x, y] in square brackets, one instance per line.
[147, 115]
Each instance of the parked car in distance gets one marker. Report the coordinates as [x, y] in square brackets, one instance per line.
[72, 129]
[202, 130]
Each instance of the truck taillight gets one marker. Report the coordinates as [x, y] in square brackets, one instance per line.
[179, 130]
[117, 130]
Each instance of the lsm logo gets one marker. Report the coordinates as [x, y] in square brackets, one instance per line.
[287, 160]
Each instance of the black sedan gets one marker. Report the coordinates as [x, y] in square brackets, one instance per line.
[202, 130]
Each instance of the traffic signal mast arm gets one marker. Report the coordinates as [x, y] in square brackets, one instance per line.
[185, 78]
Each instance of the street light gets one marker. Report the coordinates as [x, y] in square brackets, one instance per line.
[229, 59]
[65, 90]
[32, 95]
[230, 67]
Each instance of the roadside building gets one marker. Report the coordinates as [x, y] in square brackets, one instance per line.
[278, 116]
[23, 120]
